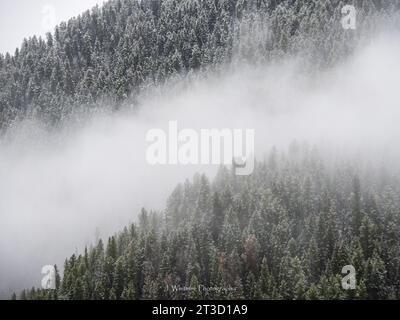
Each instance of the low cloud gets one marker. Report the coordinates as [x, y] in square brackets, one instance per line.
[57, 188]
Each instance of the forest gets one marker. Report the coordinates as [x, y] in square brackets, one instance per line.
[105, 57]
[284, 232]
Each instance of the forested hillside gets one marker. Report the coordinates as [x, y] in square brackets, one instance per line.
[109, 54]
[285, 232]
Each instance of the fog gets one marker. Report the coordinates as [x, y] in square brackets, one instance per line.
[56, 189]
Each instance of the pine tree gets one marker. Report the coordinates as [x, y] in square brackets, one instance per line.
[268, 257]
[356, 208]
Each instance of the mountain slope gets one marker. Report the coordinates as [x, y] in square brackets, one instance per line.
[110, 53]
[285, 232]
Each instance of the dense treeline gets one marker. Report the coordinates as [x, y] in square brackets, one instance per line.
[110, 53]
[284, 232]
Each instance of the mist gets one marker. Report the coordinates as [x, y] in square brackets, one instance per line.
[57, 189]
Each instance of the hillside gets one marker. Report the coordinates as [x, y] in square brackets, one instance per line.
[106, 56]
[285, 232]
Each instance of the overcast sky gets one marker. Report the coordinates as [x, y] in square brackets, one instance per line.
[20, 19]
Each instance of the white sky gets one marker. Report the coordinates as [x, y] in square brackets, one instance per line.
[21, 19]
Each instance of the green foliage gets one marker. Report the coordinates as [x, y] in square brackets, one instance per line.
[214, 254]
[108, 55]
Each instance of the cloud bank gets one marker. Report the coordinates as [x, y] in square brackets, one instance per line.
[57, 188]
